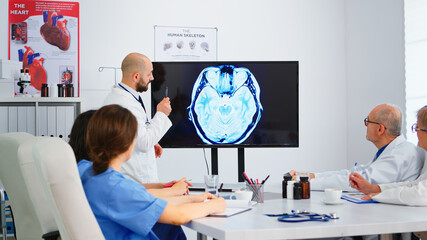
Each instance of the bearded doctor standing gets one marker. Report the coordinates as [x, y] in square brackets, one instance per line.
[137, 73]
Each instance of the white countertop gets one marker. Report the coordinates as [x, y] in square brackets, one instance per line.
[354, 219]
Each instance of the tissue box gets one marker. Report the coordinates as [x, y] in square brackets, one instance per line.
[10, 69]
[7, 87]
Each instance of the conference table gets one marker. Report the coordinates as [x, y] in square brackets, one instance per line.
[354, 220]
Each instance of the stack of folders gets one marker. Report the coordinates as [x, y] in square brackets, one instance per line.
[234, 207]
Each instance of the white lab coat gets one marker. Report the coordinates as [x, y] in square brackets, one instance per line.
[142, 166]
[407, 193]
[400, 161]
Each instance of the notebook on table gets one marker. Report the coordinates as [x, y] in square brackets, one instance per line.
[234, 207]
[356, 198]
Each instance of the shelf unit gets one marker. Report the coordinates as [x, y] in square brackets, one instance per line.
[52, 116]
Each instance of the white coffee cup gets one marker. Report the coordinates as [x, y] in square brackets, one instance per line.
[243, 195]
[332, 194]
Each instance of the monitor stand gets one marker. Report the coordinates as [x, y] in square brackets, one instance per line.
[240, 162]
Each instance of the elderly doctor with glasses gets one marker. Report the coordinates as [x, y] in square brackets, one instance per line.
[413, 193]
[396, 160]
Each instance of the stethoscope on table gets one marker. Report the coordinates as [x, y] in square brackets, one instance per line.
[147, 122]
[303, 216]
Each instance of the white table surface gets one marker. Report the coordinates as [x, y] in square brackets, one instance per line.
[354, 220]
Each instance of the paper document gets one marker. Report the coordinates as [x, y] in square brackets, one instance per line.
[228, 187]
[356, 198]
[234, 207]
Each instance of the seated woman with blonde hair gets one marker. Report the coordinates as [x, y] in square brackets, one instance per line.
[123, 208]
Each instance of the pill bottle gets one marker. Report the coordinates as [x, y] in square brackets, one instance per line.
[69, 90]
[286, 178]
[60, 90]
[45, 90]
[290, 190]
[297, 190]
[305, 184]
[53, 91]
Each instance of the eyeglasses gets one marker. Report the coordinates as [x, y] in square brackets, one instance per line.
[366, 121]
[415, 128]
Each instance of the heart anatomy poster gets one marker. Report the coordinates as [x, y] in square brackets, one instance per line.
[44, 36]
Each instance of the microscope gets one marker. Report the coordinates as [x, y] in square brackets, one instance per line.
[24, 81]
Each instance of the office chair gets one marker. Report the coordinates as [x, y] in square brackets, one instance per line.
[20, 179]
[56, 164]
[3, 211]
[35, 188]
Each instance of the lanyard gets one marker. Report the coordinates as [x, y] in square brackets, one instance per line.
[147, 122]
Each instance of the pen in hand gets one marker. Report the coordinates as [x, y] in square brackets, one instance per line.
[167, 91]
[220, 188]
[352, 174]
[171, 184]
[355, 164]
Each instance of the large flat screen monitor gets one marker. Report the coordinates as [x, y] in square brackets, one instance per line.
[229, 104]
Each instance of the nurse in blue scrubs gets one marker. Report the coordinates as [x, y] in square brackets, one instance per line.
[123, 208]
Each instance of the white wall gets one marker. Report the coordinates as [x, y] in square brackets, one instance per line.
[350, 54]
[375, 67]
[415, 58]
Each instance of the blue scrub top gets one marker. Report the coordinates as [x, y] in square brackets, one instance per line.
[83, 165]
[123, 208]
